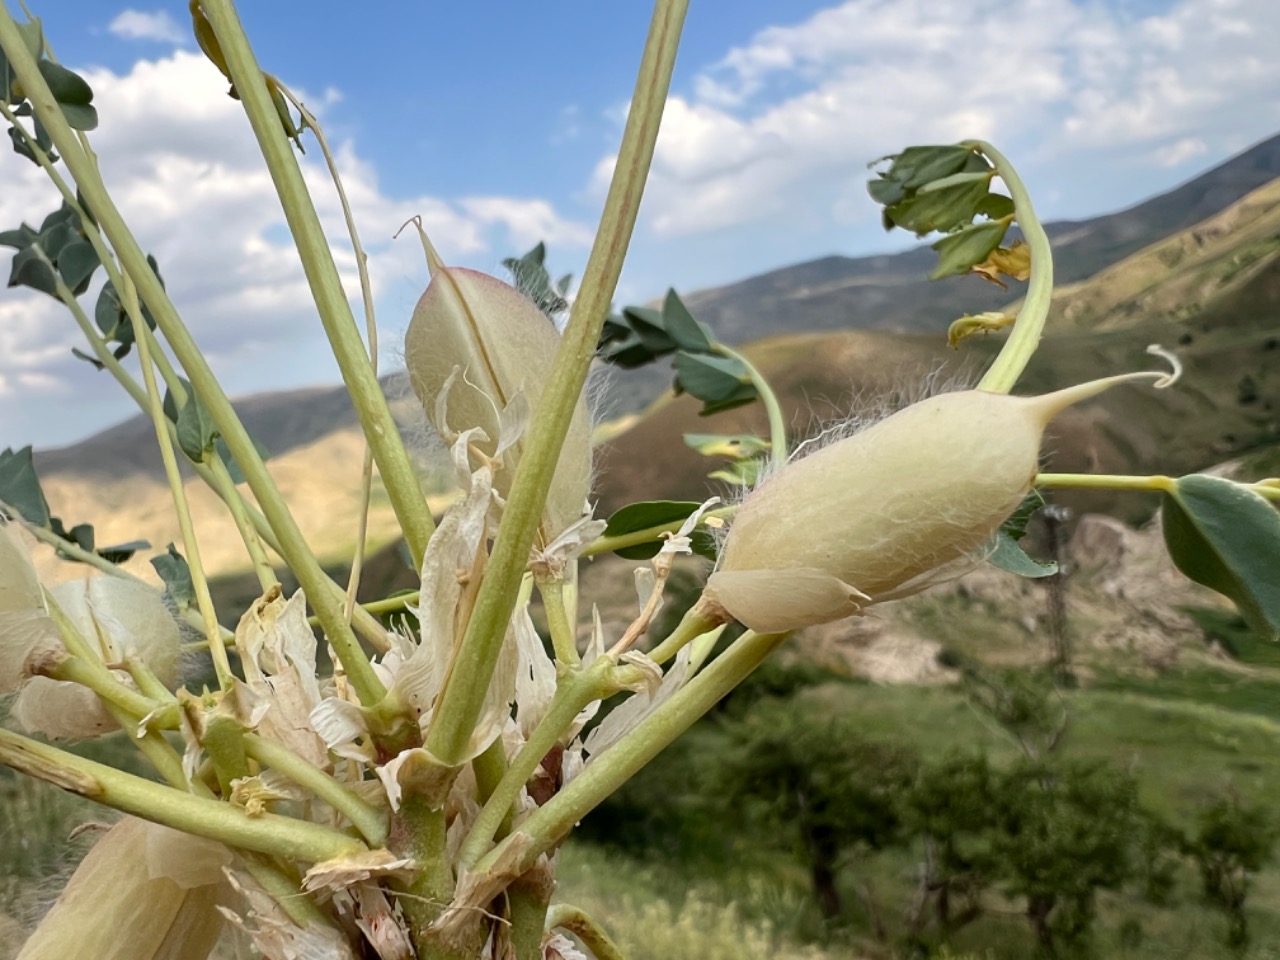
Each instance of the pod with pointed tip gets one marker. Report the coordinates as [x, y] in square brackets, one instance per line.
[886, 512]
[503, 345]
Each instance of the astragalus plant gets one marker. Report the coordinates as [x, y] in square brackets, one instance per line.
[412, 803]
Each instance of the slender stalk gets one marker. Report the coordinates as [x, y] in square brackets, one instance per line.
[527, 914]
[1050, 481]
[464, 691]
[1018, 349]
[652, 534]
[134, 262]
[111, 691]
[581, 925]
[777, 425]
[236, 506]
[604, 774]
[563, 639]
[570, 697]
[692, 625]
[204, 600]
[394, 466]
[268, 833]
[369, 820]
[371, 333]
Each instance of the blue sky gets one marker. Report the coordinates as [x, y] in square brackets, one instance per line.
[497, 122]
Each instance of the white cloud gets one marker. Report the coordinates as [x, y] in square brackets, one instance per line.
[139, 25]
[780, 130]
[180, 161]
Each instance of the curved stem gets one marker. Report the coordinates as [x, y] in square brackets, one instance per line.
[777, 425]
[464, 691]
[581, 925]
[268, 833]
[1024, 339]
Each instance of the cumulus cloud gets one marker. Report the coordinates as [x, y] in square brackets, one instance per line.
[782, 128]
[139, 25]
[181, 163]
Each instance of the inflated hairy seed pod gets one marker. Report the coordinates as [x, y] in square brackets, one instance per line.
[118, 618]
[144, 892]
[503, 346]
[886, 512]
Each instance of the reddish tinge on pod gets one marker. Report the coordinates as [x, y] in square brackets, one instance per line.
[502, 346]
[886, 512]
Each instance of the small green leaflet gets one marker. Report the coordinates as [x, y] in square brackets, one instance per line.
[1227, 538]
[1004, 550]
[738, 446]
[173, 570]
[20, 487]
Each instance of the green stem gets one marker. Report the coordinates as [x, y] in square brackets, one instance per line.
[527, 913]
[581, 925]
[398, 476]
[369, 820]
[134, 262]
[204, 599]
[213, 819]
[563, 639]
[286, 891]
[93, 674]
[777, 425]
[570, 698]
[236, 506]
[547, 825]
[650, 534]
[692, 625]
[464, 691]
[1049, 481]
[1018, 349]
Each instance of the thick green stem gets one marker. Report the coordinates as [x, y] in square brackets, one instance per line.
[464, 692]
[398, 476]
[369, 820]
[777, 424]
[546, 826]
[581, 925]
[134, 262]
[281, 836]
[527, 914]
[1022, 342]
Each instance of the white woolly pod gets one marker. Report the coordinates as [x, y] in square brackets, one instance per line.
[886, 512]
[144, 892]
[118, 618]
[503, 346]
[24, 622]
